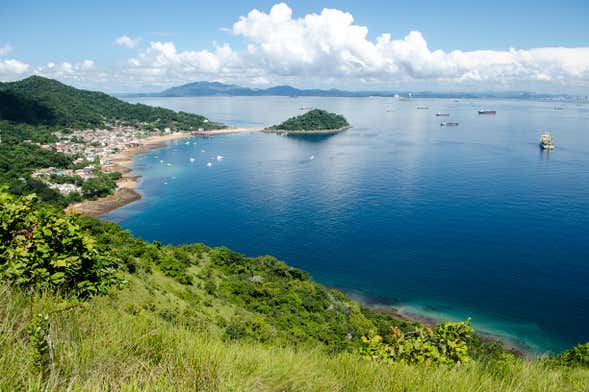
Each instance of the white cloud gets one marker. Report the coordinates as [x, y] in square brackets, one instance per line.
[328, 49]
[127, 41]
[329, 44]
[4, 50]
[12, 69]
[163, 60]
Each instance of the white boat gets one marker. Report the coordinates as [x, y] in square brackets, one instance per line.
[209, 164]
[191, 159]
[546, 142]
[220, 157]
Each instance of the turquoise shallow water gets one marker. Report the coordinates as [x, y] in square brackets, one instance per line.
[448, 223]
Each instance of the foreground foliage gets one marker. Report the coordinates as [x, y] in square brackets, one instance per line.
[40, 249]
[447, 344]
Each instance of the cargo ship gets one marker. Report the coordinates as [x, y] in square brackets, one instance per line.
[487, 112]
[448, 124]
[546, 142]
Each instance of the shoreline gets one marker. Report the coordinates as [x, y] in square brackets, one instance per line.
[431, 322]
[125, 192]
[225, 131]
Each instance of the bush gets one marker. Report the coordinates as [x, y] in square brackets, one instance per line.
[41, 249]
[447, 343]
[577, 356]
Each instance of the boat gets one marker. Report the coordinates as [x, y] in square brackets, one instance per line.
[306, 108]
[220, 157]
[192, 159]
[487, 112]
[209, 164]
[422, 108]
[448, 124]
[546, 142]
[442, 114]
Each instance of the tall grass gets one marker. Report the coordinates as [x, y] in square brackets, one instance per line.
[102, 345]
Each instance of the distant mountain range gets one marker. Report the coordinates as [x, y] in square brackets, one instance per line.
[199, 89]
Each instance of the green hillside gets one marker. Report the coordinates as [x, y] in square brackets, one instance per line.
[41, 101]
[314, 120]
[85, 305]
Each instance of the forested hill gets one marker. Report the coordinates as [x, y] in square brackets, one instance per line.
[314, 120]
[40, 101]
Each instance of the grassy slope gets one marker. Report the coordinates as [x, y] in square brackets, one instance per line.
[104, 345]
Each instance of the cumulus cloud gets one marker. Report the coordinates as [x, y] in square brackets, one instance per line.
[162, 60]
[327, 49]
[127, 41]
[331, 44]
[12, 69]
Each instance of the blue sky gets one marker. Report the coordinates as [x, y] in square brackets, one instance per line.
[38, 33]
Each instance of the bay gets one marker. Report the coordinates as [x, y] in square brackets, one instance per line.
[440, 222]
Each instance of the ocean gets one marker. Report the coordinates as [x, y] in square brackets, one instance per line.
[439, 222]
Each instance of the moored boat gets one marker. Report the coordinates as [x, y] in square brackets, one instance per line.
[448, 124]
[442, 114]
[487, 112]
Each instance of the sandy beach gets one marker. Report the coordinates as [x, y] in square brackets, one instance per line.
[125, 192]
[226, 131]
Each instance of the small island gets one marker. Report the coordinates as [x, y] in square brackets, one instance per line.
[315, 121]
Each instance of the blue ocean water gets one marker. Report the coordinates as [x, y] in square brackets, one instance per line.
[443, 222]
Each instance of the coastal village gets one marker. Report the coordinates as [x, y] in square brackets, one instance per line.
[92, 151]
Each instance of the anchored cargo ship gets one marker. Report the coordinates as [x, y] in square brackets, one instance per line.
[546, 142]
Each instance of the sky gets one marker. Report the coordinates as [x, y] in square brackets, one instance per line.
[143, 46]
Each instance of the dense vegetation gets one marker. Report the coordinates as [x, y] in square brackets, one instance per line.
[194, 317]
[314, 120]
[19, 158]
[40, 101]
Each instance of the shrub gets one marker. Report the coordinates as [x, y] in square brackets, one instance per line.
[42, 249]
[577, 356]
[447, 343]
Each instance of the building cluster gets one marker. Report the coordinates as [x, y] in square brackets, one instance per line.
[96, 144]
[47, 174]
[90, 146]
